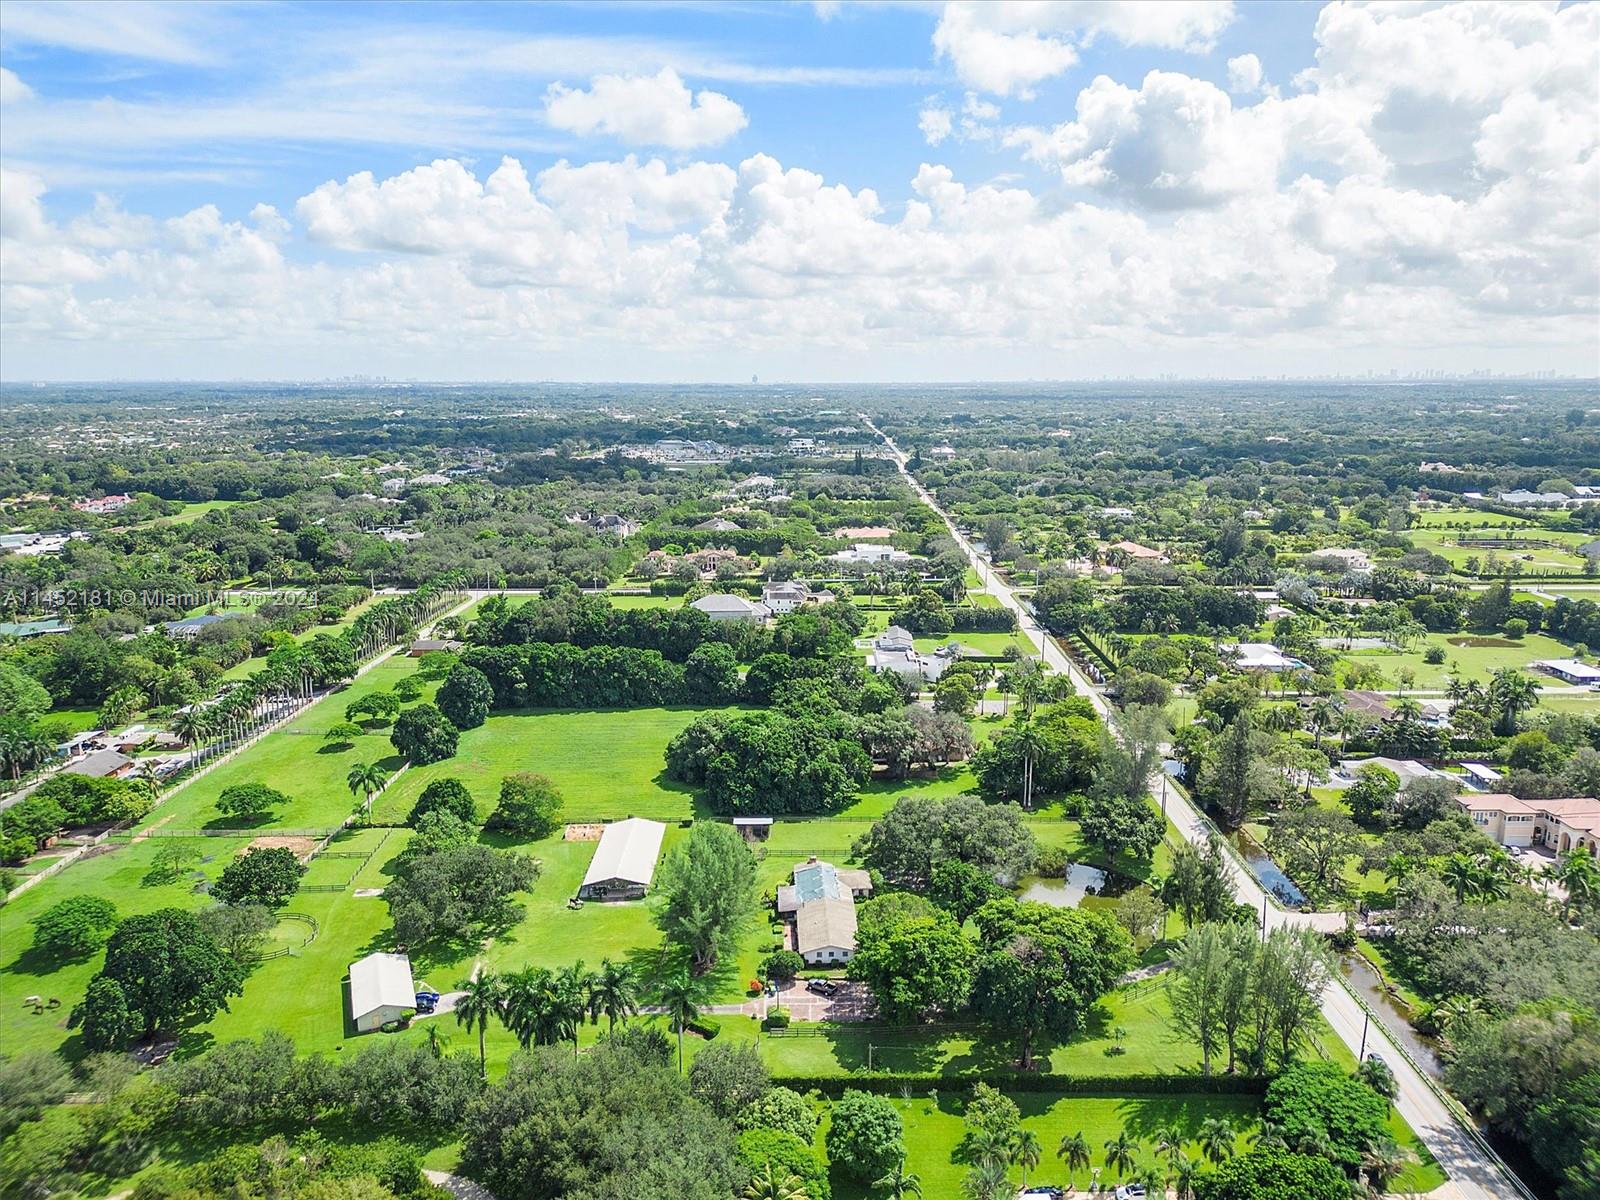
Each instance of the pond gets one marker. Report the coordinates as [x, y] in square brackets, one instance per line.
[1268, 872]
[1082, 885]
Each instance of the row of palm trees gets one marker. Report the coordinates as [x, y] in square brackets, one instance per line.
[1172, 1168]
[544, 1007]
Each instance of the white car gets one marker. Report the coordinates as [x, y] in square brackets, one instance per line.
[1130, 1191]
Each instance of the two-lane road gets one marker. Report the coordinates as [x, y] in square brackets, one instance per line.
[1474, 1174]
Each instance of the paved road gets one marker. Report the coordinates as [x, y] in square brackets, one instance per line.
[1473, 1174]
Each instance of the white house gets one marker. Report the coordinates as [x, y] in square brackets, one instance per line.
[624, 862]
[894, 650]
[1351, 560]
[381, 990]
[872, 552]
[722, 606]
[787, 596]
[1570, 670]
[1259, 656]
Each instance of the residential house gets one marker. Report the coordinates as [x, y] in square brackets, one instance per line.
[872, 552]
[894, 650]
[1349, 559]
[381, 990]
[723, 606]
[101, 764]
[717, 525]
[821, 905]
[1137, 552]
[189, 628]
[1568, 825]
[1259, 656]
[105, 504]
[1507, 820]
[784, 597]
[624, 861]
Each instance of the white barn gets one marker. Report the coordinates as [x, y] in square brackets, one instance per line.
[381, 990]
[624, 862]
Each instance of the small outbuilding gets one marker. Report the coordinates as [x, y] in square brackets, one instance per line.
[381, 990]
[624, 862]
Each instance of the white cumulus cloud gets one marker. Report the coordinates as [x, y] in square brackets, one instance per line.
[12, 89]
[645, 110]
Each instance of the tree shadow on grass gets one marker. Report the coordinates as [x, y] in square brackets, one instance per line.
[253, 821]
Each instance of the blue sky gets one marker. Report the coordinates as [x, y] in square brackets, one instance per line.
[844, 190]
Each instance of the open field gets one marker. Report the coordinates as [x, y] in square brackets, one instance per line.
[1469, 655]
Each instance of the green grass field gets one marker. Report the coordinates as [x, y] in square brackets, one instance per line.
[1464, 658]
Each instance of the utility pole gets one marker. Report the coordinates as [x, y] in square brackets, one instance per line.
[1366, 1019]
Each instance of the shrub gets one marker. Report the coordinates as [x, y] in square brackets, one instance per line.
[529, 804]
[865, 1139]
[444, 795]
[782, 966]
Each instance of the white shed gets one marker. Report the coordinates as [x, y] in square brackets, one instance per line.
[380, 990]
[625, 860]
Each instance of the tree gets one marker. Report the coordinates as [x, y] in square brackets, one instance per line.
[1120, 824]
[1141, 914]
[1195, 989]
[529, 805]
[1216, 1139]
[366, 780]
[956, 693]
[1234, 780]
[457, 896]
[1274, 1175]
[614, 993]
[422, 734]
[479, 1002]
[1319, 1103]
[916, 966]
[1292, 970]
[728, 1078]
[781, 966]
[711, 673]
[167, 971]
[249, 801]
[267, 877]
[1130, 755]
[679, 995]
[73, 928]
[343, 735]
[1511, 693]
[783, 1110]
[1041, 968]
[1371, 797]
[898, 1184]
[1074, 1151]
[444, 795]
[641, 1131]
[1121, 1154]
[1312, 845]
[1424, 801]
[961, 889]
[705, 892]
[864, 1140]
[908, 841]
[465, 696]
[771, 1182]
[240, 929]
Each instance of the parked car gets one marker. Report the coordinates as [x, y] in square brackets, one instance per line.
[1130, 1191]
[1042, 1191]
[822, 987]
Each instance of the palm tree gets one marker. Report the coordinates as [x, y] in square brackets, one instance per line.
[1455, 1011]
[772, 1182]
[1184, 1172]
[1269, 1136]
[572, 990]
[436, 1040]
[480, 1000]
[1216, 1139]
[1032, 744]
[613, 992]
[989, 1145]
[677, 994]
[897, 1183]
[1511, 693]
[1579, 874]
[1074, 1148]
[1383, 1162]
[366, 780]
[1121, 1153]
[1169, 1144]
[1460, 874]
[192, 724]
[1025, 1153]
[986, 1181]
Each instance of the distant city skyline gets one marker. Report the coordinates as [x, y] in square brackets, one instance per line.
[828, 192]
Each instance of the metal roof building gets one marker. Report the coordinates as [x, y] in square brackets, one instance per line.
[625, 860]
[380, 990]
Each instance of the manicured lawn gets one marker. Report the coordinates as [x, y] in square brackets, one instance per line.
[193, 512]
[1464, 658]
[934, 1128]
[608, 763]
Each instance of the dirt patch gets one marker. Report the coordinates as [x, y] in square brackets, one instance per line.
[1483, 642]
[582, 833]
[302, 846]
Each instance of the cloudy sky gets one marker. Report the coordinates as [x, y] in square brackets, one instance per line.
[827, 191]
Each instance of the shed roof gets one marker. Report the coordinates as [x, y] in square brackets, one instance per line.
[381, 980]
[99, 764]
[627, 850]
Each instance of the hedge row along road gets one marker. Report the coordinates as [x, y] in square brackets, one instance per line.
[1474, 1173]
